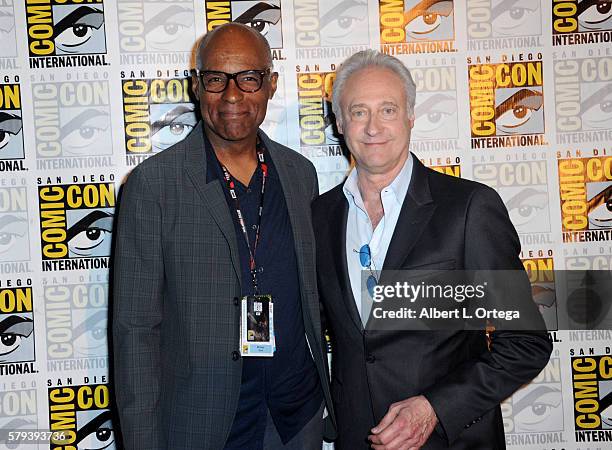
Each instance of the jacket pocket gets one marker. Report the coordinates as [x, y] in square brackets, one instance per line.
[446, 264]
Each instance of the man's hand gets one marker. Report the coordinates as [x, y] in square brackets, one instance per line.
[406, 426]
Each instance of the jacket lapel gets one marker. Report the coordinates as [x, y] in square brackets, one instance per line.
[417, 210]
[299, 211]
[337, 245]
[211, 194]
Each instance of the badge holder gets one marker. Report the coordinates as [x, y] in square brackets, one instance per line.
[257, 326]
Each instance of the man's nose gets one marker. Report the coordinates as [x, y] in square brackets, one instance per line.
[373, 126]
[232, 93]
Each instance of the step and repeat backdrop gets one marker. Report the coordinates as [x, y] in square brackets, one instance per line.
[516, 94]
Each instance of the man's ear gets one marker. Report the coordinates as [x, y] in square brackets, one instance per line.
[339, 125]
[273, 84]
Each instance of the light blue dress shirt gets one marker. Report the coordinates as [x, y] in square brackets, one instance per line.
[359, 230]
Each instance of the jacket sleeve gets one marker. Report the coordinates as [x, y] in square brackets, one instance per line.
[137, 315]
[315, 184]
[514, 357]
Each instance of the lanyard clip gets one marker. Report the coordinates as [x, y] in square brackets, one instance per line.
[254, 279]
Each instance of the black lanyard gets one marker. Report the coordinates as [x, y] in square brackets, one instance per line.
[261, 163]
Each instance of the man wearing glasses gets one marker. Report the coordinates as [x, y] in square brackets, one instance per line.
[411, 389]
[217, 335]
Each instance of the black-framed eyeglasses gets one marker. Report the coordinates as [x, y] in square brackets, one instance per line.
[247, 80]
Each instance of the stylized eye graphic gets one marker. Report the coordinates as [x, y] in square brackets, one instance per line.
[11, 229]
[90, 335]
[275, 118]
[599, 208]
[538, 406]
[164, 30]
[15, 424]
[10, 126]
[605, 409]
[433, 116]
[543, 296]
[97, 434]
[7, 31]
[13, 330]
[516, 17]
[89, 233]
[595, 15]
[260, 17]
[597, 108]
[173, 126]
[77, 28]
[526, 205]
[342, 20]
[79, 134]
[516, 110]
[7, 20]
[426, 17]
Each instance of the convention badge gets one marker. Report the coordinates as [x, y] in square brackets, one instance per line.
[257, 326]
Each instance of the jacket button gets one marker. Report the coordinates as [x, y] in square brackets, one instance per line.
[235, 355]
[370, 358]
[236, 301]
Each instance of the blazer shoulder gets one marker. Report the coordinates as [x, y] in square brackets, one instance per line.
[288, 154]
[166, 163]
[325, 202]
[454, 187]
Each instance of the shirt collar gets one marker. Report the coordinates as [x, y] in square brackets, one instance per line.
[399, 186]
[213, 166]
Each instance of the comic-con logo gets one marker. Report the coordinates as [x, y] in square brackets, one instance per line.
[435, 111]
[447, 165]
[317, 121]
[503, 24]
[81, 417]
[583, 99]
[581, 21]
[596, 258]
[534, 413]
[320, 24]
[319, 138]
[11, 128]
[65, 33]
[265, 17]
[18, 412]
[72, 121]
[416, 26]
[523, 186]
[539, 266]
[585, 191]
[506, 104]
[76, 223]
[7, 30]
[157, 113]
[592, 393]
[14, 240]
[16, 328]
[155, 32]
[76, 322]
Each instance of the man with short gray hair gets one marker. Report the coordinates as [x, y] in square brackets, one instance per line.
[410, 389]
